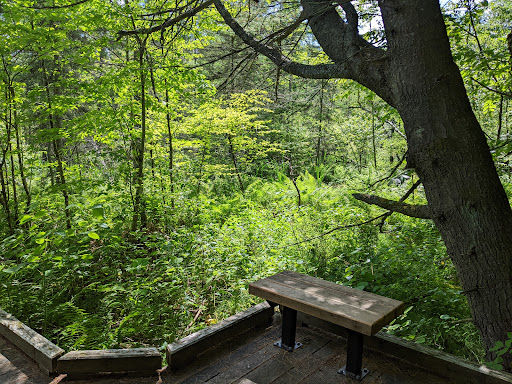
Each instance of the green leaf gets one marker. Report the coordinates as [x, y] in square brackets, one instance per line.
[14, 269]
[40, 214]
[497, 346]
[141, 262]
[39, 250]
[420, 340]
[94, 235]
[362, 285]
[98, 211]
[24, 219]
[444, 317]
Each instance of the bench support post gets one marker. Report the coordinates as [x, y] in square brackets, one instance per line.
[353, 369]
[288, 330]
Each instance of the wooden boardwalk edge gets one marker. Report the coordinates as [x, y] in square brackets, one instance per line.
[53, 359]
[183, 351]
[37, 347]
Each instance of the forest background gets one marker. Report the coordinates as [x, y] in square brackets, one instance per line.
[145, 180]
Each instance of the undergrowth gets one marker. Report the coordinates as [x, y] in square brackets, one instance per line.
[101, 286]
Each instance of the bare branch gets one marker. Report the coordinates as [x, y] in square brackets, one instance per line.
[283, 33]
[418, 211]
[392, 172]
[167, 23]
[501, 93]
[56, 6]
[334, 230]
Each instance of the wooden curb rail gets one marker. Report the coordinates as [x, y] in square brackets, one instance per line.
[139, 361]
[53, 359]
[455, 369]
[37, 347]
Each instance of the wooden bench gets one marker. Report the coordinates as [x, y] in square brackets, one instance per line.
[361, 313]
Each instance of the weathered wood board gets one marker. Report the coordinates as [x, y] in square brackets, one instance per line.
[360, 311]
[144, 361]
[37, 347]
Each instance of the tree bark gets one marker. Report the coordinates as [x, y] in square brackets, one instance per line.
[140, 145]
[450, 154]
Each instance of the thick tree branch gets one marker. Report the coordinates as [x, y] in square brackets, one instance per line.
[418, 211]
[321, 71]
[402, 199]
[341, 41]
[167, 23]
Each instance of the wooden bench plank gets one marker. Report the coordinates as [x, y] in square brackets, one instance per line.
[360, 311]
[366, 301]
[349, 293]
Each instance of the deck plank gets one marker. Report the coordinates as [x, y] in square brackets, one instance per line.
[226, 362]
[269, 371]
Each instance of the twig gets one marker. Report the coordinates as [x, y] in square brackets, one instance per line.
[333, 230]
[198, 313]
[392, 172]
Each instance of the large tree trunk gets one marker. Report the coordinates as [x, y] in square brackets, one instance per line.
[449, 151]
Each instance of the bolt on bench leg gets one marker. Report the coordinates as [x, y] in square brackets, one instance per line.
[354, 356]
[288, 330]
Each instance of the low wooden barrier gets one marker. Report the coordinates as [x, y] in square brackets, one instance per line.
[38, 348]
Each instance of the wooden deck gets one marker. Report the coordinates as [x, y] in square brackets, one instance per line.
[252, 359]
[316, 362]
[256, 361]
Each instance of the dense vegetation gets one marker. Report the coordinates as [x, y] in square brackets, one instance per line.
[145, 180]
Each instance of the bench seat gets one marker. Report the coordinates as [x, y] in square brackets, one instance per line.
[360, 311]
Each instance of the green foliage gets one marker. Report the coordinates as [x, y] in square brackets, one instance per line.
[500, 348]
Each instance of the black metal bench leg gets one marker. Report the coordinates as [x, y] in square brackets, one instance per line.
[288, 330]
[353, 369]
